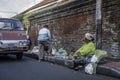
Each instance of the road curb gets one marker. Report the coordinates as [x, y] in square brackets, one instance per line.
[104, 70]
[100, 69]
[31, 55]
[108, 71]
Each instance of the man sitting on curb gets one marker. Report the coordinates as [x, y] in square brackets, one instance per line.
[83, 54]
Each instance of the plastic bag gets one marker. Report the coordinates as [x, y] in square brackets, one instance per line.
[100, 54]
[35, 49]
[61, 53]
[89, 68]
[94, 59]
[54, 51]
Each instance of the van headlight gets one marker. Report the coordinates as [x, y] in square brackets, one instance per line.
[22, 43]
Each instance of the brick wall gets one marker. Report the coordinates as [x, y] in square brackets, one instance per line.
[68, 24]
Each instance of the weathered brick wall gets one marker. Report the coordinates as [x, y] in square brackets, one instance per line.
[69, 23]
[111, 27]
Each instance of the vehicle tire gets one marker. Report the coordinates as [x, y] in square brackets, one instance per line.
[19, 56]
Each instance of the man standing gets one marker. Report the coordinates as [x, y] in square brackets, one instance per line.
[44, 41]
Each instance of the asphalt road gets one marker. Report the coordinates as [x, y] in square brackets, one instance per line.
[30, 69]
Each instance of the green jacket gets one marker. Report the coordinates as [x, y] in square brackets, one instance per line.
[87, 48]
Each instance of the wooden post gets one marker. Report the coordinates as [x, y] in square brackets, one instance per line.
[98, 24]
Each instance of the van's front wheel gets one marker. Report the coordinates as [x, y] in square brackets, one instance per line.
[19, 56]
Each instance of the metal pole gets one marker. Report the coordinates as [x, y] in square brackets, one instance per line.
[98, 24]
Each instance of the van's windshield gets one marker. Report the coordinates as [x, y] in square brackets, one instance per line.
[11, 25]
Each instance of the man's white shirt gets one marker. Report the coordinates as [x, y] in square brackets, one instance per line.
[45, 31]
